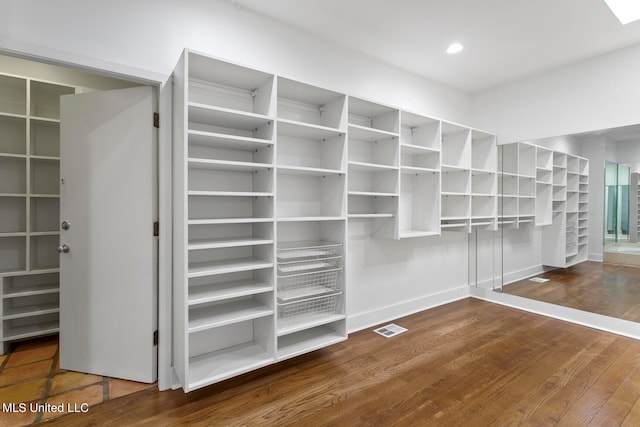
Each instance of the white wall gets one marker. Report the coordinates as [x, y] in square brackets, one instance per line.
[598, 93]
[145, 38]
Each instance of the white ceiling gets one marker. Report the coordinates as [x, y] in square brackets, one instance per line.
[504, 39]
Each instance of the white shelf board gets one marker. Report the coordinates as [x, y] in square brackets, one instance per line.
[199, 244]
[370, 215]
[370, 167]
[207, 114]
[226, 165]
[212, 268]
[293, 324]
[215, 221]
[365, 133]
[51, 158]
[416, 170]
[220, 291]
[45, 119]
[45, 196]
[230, 193]
[14, 234]
[30, 290]
[484, 171]
[310, 218]
[216, 366]
[454, 193]
[406, 234]
[12, 156]
[208, 317]
[309, 340]
[371, 194]
[417, 149]
[306, 130]
[300, 170]
[453, 168]
[32, 330]
[13, 195]
[30, 310]
[44, 233]
[226, 141]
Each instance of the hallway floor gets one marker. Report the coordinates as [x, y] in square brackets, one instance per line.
[30, 374]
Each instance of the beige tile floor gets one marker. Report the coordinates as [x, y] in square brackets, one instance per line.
[30, 373]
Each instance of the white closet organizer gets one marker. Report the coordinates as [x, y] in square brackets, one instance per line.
[456, 178]
[29, 206]
[518, 186]
[484, 181]
[634, 208]
[224, 235]
[311, 206]
[564, 242]
[373, 165]
[420, 140]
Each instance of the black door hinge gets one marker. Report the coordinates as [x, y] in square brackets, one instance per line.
[156, 229]
[155, 337]
[156, 120]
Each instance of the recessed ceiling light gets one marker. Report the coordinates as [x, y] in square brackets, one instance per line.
[454, 48]
[625, 10]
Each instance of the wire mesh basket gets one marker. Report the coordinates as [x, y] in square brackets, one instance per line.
[304, 285]
[307, 249]
[292, 313]
[308, 265]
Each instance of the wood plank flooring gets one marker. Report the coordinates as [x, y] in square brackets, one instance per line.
[608, 289]
[469, 363]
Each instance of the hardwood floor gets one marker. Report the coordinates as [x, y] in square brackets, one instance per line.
[469, 363]
[611, 290]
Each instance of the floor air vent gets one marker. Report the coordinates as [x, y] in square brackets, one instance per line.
[539, 279]
[390, 330]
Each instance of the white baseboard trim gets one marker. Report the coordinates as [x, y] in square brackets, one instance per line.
[597, 321]
[596, 257]
[489, 283]
[524, 273]
[387, 313]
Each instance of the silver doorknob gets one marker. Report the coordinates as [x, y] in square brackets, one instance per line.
[65, 225]
[64, 248]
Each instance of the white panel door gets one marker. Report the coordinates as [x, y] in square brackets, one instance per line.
[108, 275]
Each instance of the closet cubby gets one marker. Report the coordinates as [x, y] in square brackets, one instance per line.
[456, 181]
[544, 176]
[367, 147]
[483, 151]
[484, 183]
[13, 133]
[420, 132]
[456, 207]
[210, 122]
[30, 326]
[456, 146]
[526, 160]
[313, 338]
[13, 175]
[44, 212]
[508, 159]
[299, 102]
[310, 196]
[303, 147]
[373, 116]
[44, 138]
[42, 252]
[372, 206]
[229, 209]
[559, 160]
[205, 179]
[13, 211]
[29, 306]
[45, 176]
[374, 182]
[419, 159]
[483, 207]
[508, 206]
[45, 99]
[544, 158]
[543, 204]
[419, 204]
[526, 186]
[13, 254]
[526, 206]
[13, 95]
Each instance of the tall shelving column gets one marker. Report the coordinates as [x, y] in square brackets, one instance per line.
[508, 185]
[30, 205]
[526, 184]
[544, 186]
[224, 236]
[554, 237]
[311, 212]
[456, 178]
[373, 168]
[484, 181]
[419, 211]
[583, 208]
[634, 208]
[572, 207]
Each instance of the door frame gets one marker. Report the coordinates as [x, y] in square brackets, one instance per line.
[162, 86]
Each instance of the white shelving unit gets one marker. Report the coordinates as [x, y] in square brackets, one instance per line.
[564, 242]
[484, 181]
[373, 165]
[311, 216]
[634, 208]
[456, 187]
[29, 206]
[259, 161]
[419, 210]
[224, 235]
[544, 186]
